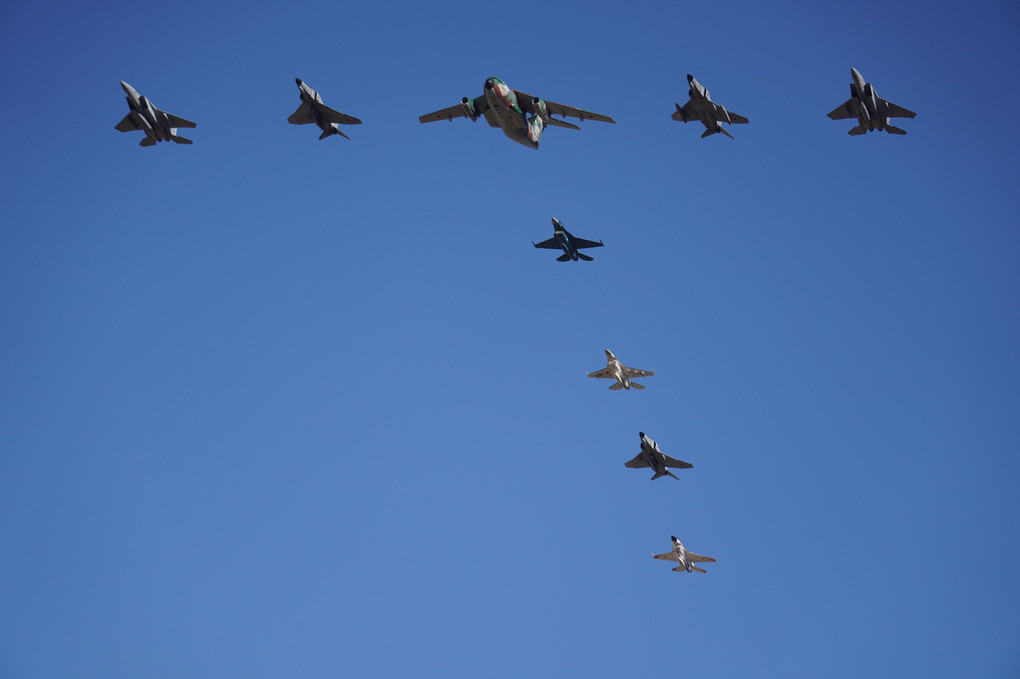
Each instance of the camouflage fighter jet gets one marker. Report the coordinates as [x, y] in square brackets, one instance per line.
[700, 107]
[157, 125]
[686, 557]
[510, 110]
[872, 111]
[623, 375]
[563, 240]
[312, 110]
[651, 456]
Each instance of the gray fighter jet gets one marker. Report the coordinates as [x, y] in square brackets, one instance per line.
[872, 111]
[651, 456]
[563, 240]
[700, 107]
[312, 110]
[623, 375]
[157, 125]
[686, 557]
[509, 109]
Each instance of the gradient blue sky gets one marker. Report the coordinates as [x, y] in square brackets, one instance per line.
[279, 407]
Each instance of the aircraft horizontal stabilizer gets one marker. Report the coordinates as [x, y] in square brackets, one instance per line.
[635, 385]
[585, 257]
[616, 387]
[700, 570]
[148, 141]
[181, 140]
[894, 130]
[563, 258]
[860, 129]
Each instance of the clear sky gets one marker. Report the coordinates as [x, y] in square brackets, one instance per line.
[275, 406]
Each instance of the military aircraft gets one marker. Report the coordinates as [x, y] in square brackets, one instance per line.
[563, 240]
[700, 107]
[872, 111]
[621, 373]
[509, 109]
[651, 456]
[157, 125]
[686, 557]
[312, 110]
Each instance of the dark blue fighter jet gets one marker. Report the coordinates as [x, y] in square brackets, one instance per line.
[562, 240]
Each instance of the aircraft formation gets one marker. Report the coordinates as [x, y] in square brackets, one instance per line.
[523, 118]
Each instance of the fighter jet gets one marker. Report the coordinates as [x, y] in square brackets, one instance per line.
[509, 109]
[700, 107]
[651, 456]
[312, 110]
[617, 371]
[157, 125]
[686, 558]
[872, 112]
[563, 240]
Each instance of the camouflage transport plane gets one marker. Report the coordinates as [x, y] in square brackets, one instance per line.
[563, 240]
[510, 110]
[686, 558]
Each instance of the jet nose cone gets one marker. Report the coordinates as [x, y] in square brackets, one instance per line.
[641, 434]
[690, 78]
[673, 538]
[556, 222]
[298, 81]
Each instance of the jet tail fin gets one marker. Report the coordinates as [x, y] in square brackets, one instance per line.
[585, 257]
[700, 570]
[331, 131]
[894, 130]
[635, 385]
[181, 140]
[860, 129]
[616, 387]
[563, 258]
[723, 130]
[658, 474]
[707, 133]
[669, 473]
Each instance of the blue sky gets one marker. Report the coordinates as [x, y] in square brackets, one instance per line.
[281, 407]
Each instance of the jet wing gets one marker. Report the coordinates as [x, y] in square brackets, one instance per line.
[895, 111]
[668, 556]
[581, 243]
[684, 113]
[127, 124]
[525, 102]
[337, 117]
[602, 374]
[634, 372]
[455, 111]
[550, 244]
[721, 116]
[639, 462]
[302, 116]
[677, 464]
[842, 111]
[697, 558]
[176, 121]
